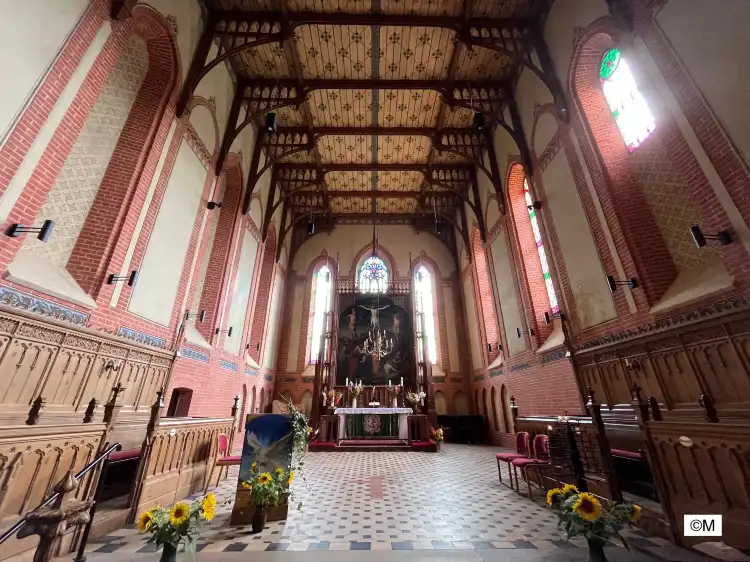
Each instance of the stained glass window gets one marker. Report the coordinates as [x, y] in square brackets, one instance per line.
[540, 248]
[628, 106]
[373, 276]
[322, 297]
[423, 282]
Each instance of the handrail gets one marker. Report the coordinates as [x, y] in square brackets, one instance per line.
[15, 528]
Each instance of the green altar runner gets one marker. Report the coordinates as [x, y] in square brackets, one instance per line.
[373, 423]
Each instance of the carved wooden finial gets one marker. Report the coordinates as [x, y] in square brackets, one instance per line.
[592, 399]
[36, 409]
[67, 484]
[88, 416]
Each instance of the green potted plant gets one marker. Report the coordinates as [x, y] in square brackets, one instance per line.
[581, 513]
[179, 524]
[266, 490]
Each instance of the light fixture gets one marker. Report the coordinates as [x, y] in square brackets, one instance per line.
[478, 123]
[271, 122]
[201, 316]
[549, 317]
[613, 283]
[377, 345]
[700, 238]
[211, 205]
[45, 231]
[520, 332]
[311, 227]
[497, 345]
[132, 279]
[227, 332]
[535, 206]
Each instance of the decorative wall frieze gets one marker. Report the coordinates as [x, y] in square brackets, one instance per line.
[268, 377]
[520, 367]
[554, 356]
[228, 365]
[194, 354]
[141, 337]
[455, 379]
[196, 144]
[500, 371]
[290, 379]
[308, 380]
[251, 372]
[438, 380]
[735, 303]
[478, 378]
[552, 149]
[18, 299]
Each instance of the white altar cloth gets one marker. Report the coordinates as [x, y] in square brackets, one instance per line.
[403, 413]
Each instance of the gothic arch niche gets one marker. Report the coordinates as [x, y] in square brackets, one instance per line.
[441, 404]
[306, 402]
[493, 400]
[243, 409]
[365, 253]
[252, 401]
[635, 140]
[485, 299]
[262, 402]
[112, 146]
[263, 294]
[460, 403]
[215, 261]
[505, 404]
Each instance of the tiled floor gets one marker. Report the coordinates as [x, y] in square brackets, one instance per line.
[395, 502]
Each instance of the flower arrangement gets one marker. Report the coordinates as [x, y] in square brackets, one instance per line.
[437, 434]
[302, 434]
[178, 524]
[334, 397]
[267, 488]
[355, 389]
[581, 513]
[415, 397]
[393, 391]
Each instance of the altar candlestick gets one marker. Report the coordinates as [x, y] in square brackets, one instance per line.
[347, 381]
[402, 381]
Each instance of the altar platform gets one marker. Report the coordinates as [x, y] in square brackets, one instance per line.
[373, 429]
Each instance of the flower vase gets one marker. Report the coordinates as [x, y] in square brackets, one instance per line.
[259, 519]
[354, 402]
[596, 550]
[168, 553]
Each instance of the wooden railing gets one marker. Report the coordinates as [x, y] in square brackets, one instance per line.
[178, 457]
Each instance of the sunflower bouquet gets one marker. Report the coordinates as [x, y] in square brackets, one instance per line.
[581, 513]
[268, 488]
[178, 524]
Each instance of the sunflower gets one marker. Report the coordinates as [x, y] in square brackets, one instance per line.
[179, 513]
[569, 490]
[635, 514]
[552, 494]
[254, 465]
[291, 478]
[280, 471]
[264, 478]
[209, 506]
[587, 507]
[247, 484]
[145, 521]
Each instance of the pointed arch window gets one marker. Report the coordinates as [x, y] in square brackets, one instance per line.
[322, 302]
[373, 276]
[540, 248]
[425, 306]
[628, 106]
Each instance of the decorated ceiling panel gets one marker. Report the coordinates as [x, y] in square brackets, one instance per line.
[345, 149]
[399, 181]
[389, 205]
[415, 53]
[355, 72]
[335, 51]
[408, 108]
[349, 181]
[341, 108]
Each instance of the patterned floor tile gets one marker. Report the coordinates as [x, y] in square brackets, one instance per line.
[387, 501]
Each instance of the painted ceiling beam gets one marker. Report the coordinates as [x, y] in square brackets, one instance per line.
[310, 84]
[378, 131]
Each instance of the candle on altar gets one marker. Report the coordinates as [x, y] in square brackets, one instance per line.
[402, 381]
[389, 383]
[347, 381]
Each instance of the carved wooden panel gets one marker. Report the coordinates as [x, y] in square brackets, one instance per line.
[722, 371]
[679, 385]
[592, 380]
[154, 379]
[66, 377]
[616, 382]
[31, 465]
[645, 376]
[180, 455]
[705, 468]
[22, 370]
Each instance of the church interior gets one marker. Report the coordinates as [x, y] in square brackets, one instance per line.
[466, 268]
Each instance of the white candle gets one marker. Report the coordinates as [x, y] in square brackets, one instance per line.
[402, 381]
[347, 381]
[389, 383]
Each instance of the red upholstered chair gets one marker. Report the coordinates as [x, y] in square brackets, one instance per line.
[522, 451]
[541, 458]
[223, 459]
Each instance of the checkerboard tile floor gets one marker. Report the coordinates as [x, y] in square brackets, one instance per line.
[388, 501]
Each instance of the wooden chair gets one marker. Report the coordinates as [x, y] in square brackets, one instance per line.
[522, 451]
[540, 459]
[223, 459]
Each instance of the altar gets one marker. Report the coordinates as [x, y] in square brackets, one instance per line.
[364, 423]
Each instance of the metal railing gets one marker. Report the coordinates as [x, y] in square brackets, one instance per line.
[103, 461]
